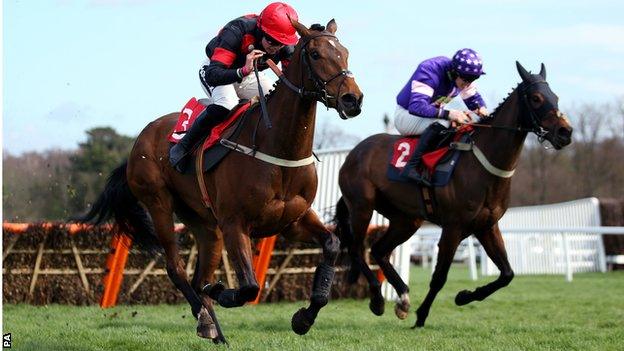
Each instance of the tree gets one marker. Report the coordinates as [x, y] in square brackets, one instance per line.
[95, 160]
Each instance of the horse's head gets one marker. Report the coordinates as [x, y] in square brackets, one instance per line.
[541, 111]
[324, 69]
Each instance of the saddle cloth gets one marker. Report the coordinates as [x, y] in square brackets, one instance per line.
[213, 151]
[440, 163]
[194, 108]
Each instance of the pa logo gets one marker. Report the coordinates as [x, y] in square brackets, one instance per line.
[6, 341]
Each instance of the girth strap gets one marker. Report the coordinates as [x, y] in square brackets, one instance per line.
[267, 158]
[481, 157]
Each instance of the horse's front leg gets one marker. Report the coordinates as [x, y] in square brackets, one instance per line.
[311, 230]
[492, 242]
[238, 246]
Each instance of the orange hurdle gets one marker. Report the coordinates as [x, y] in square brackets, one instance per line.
[115, 263]
[261, 262]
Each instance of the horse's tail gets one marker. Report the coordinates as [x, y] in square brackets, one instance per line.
[117, 201]
[345, 234]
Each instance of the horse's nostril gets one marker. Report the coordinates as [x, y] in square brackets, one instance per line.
[564, 132]
[348, 100]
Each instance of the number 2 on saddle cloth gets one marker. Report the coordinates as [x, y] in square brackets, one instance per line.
[440, 163]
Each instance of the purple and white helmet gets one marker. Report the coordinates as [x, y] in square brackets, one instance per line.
[468, 62]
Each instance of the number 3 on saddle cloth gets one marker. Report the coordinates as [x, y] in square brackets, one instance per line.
[440, 163]
[213, 151]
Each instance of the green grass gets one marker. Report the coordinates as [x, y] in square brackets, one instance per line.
[534, 312]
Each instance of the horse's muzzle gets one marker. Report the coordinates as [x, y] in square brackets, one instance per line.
[350, 105]
[562, 137]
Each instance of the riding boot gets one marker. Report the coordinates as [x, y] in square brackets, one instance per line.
[209, 118]
[415, 168]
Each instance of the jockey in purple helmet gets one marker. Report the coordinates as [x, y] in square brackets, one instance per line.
[420, 103]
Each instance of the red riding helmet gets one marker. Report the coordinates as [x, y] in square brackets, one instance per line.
[274, 21]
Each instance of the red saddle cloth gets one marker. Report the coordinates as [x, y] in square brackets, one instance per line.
[404, 148]
[189, 114]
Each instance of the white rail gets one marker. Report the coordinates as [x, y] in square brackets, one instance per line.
[564, 234]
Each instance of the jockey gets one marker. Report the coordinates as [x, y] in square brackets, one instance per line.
[420, 110]
[227, 75]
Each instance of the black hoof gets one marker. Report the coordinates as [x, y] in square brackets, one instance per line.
[300, 322]
[419, 324]
[463, 298]
[377, 305]
[213, 290]
[420, 319]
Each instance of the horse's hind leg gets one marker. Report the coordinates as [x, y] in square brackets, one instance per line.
[449, 241]
[238, 246]
[310, 229]
[159, 205]
[360, 213]
[209, 245]
[494, 246]
[398, 232]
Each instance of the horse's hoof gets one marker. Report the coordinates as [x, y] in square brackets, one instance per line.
[205, 326]
[463, 297]
[419, 324]
[300, 322]
[377, 305]
[420, 319]
[207, 331]
[401, 310]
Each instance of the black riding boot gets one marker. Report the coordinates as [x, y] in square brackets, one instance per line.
[415, 169]
[212, 115]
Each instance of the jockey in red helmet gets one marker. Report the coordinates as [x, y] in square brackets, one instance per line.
[226, 75]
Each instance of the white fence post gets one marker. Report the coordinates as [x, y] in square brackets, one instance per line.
[568, 259]
[472, 258]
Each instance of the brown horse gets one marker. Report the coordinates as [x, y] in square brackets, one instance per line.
[251, 198]
[472, 203]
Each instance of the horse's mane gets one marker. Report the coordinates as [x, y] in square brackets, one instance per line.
[490, 119]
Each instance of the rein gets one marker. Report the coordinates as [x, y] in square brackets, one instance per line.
[534, 119]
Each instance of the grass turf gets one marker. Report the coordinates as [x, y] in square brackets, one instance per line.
[534, 312]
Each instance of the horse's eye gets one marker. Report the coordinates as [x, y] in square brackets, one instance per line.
[536, 100]
[315, 55]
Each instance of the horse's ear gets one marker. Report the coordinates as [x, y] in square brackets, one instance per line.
[331, 26]
[301, 29]
[523, 72]
[543, 72]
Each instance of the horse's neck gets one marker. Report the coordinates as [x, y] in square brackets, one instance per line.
[293, 118]
[503, 147]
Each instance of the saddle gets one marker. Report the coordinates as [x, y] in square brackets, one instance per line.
[212, 151]
[440, 162]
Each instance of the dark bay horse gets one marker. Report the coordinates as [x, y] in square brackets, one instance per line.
[472, 203]
[251, 198]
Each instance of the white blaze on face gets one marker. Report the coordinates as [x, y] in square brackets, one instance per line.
[332, 43]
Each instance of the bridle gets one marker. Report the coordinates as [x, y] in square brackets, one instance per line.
[530, 125]
[319, 92]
